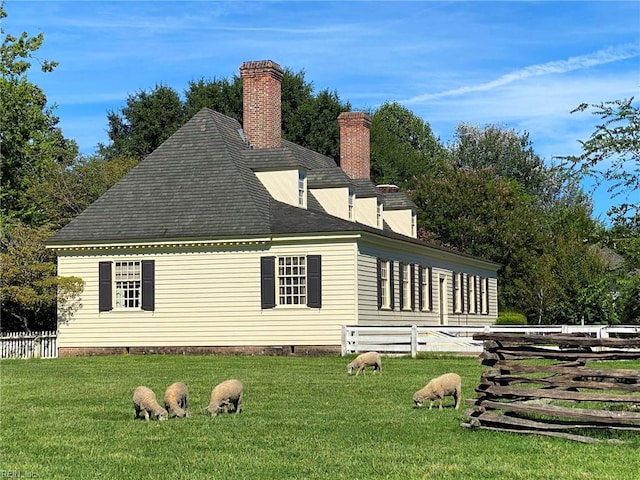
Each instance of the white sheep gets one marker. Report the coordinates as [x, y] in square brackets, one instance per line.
[176, 399]
[224, 394]
[144, 400]
[438, 388]
[364, 360]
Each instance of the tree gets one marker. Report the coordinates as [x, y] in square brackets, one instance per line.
[402, 146]
[30, 289]
[546, 264]
[511, 155]
[67, 191]
[136, 130]
[314, 124]
[147, 121]
[612, 153]
[31, 141]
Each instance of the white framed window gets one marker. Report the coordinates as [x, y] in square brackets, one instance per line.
[128, 284]
[385, 284]
[292, 280]
[484, 296]
[414, 226]
[302, 189]
[472, 293]
[406, 287]
[379, 215]
[351, 202]
[425, 289]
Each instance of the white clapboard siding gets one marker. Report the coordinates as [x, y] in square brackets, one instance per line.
[212, 297]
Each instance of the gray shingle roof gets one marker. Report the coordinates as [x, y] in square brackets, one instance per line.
[328, 177]
[397, 201]
[196, 184]
[200, 184]
[366, 189]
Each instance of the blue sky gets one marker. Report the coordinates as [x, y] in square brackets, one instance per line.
[516, 64]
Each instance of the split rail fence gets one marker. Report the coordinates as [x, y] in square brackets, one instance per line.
[549, 385]
[410, 340]
[28, 345]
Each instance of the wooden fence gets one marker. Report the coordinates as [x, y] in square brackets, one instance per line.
[28, 345]
[409, 340]
[538, 384]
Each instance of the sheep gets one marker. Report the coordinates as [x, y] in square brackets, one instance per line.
[224, 394]
[438, 388]
[176, 400]
[364, 360]
[144, 400]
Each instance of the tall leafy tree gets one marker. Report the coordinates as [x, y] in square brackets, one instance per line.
[612, 153]
[148, 119]
[511, 155]
[139, 128]
[224, 96]
[31, 140]
[32, 145]
[402, 146]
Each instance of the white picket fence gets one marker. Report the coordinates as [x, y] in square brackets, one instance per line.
[409, 340]
[28, 345]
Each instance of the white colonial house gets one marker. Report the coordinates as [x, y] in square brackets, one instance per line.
[230, 238]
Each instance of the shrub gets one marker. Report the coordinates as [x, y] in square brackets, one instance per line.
[511, 318]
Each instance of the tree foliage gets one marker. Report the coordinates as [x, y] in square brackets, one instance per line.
[149, 118]
[612, 153]
[31, 140]
[402, 146]
[30, 288]
[32, 146]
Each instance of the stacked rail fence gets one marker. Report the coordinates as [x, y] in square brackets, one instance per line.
[557, 385]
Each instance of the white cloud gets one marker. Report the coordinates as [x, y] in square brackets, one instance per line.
[601, 57]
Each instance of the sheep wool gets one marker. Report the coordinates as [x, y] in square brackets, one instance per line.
[144, 400]
[364, 360]
[449, 384]
[224, 394]
[176, 400]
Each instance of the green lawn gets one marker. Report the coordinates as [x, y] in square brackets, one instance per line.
[302, 418]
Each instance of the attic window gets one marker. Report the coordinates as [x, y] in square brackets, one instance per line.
[379, 215]
[351, 202]
[302, 177]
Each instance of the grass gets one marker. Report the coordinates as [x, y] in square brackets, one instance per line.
[303, 417]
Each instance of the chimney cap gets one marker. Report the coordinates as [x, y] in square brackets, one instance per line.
[262, 67]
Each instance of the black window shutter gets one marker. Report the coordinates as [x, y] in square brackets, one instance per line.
[268, 282]
[430, 274]
[420, 292]
[314, 281]
[379, 282]
[413, 287]
[148, 285]
[463, 296]
[401, 269]
[455, 293]
[392, 299]
[105, 303]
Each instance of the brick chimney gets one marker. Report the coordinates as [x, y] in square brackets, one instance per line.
[355, 150]
[261, 103]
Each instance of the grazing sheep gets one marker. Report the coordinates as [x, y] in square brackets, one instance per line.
[438, 388]
[224, 394]
[364, 360]
[144, 400]
[176, 400]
